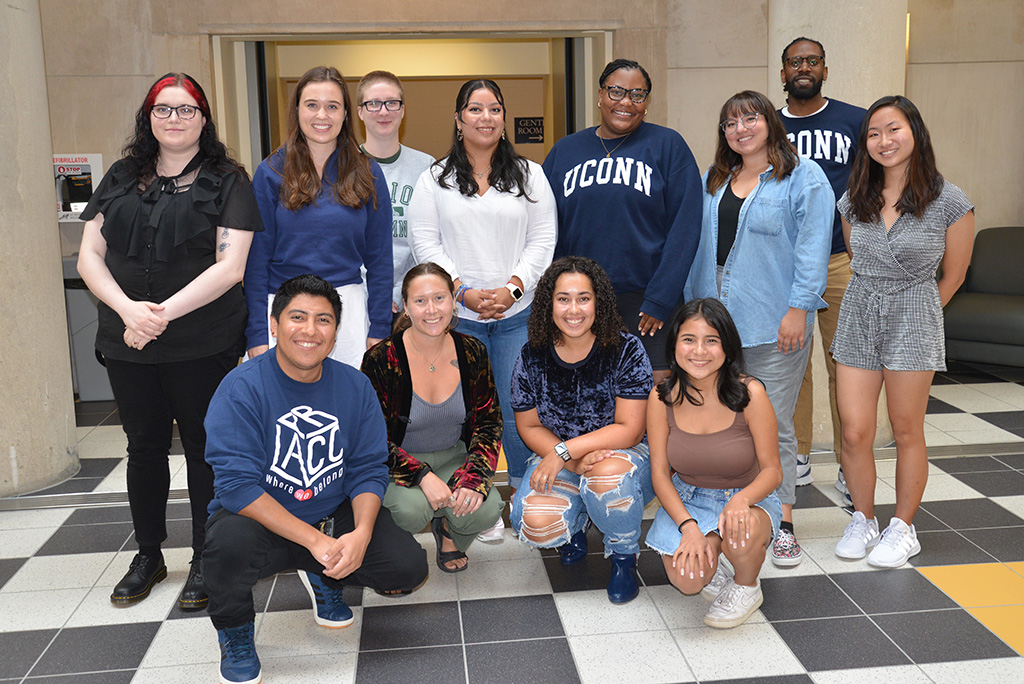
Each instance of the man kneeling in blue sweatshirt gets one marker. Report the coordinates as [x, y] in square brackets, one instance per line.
[299, 450]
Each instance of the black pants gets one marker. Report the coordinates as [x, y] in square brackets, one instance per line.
[150, 398]
[239, 551]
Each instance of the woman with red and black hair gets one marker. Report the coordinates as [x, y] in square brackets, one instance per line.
[164, 247]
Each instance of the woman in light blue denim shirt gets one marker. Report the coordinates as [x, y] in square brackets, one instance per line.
[764, 251]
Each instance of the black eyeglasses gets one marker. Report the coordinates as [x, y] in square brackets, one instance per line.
[636, 95]
[795, 62]
[375, 105]
[164, 111]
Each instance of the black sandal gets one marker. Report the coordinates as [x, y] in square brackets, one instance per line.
[437, 527]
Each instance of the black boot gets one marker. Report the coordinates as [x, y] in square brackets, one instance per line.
[193, 594]
[143, 573]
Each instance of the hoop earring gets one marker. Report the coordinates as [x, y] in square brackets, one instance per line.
[454, 323]
[458, 134]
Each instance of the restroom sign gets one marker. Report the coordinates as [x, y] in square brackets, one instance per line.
[529, 130]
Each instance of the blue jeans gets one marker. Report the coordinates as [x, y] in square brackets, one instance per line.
[504, 340]
[616, 512]
[782, 375]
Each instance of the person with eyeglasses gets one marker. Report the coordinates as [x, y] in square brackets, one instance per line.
[381, 108]
[487, 217]
[164, 248]
[764, 251]
[327, 211]
[628, 196]
[824, 130]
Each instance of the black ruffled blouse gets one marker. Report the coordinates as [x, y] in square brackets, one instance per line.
[161, 237]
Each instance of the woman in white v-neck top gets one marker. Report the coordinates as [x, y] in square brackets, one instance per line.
[487, 216]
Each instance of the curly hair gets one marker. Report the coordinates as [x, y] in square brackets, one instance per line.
[731, 390]
[923, 182]
[301, 184]
[141, 150]
[508, 169]
[607, 320]
[781, 153]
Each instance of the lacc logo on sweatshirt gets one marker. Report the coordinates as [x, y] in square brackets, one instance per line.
[306, 453]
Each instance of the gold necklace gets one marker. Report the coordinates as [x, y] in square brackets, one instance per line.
[417, 350]
[608, 153]
[481, 175]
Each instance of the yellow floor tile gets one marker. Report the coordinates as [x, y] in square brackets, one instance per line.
[1006, 622]
[982, 584]
[1017, 568]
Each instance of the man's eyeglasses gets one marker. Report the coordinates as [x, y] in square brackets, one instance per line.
[795, 62]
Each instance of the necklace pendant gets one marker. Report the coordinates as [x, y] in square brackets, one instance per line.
[432, 369]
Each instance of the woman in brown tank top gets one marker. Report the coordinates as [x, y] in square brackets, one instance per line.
[714, 465]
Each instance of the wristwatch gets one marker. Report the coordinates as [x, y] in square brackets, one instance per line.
[514, 290]
[563, 452]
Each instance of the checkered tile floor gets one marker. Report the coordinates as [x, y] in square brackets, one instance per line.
[955, 614]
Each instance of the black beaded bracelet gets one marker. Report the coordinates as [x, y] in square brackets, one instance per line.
[693, 520]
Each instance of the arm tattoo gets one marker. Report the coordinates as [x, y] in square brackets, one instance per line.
[224, 235]
[223, 246]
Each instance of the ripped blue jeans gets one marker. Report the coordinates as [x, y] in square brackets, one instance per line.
[615, 502]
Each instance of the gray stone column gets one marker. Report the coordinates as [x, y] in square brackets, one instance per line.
[866, 52]
[37, 417]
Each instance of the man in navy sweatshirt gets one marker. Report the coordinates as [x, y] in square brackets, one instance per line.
[299, 449]
[825, 130]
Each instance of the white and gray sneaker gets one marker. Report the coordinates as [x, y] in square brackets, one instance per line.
[860, 535]
[803, 470]
[713, 588]
[493, 534]
[733, 605]
[840, 486]
[897, 545]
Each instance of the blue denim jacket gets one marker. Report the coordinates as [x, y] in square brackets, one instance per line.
[780, 257]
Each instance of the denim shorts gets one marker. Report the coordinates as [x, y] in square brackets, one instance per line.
[704, 505]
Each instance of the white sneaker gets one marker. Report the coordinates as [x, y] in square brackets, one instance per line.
[713, 588]
[733, 605]
[495, 533]
[840, 486]
[803, 470]
[897, 545]
[860, 534]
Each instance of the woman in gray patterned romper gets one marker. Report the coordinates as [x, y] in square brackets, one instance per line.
[901, 220]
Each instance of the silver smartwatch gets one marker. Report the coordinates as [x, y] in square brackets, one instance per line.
[563, 452]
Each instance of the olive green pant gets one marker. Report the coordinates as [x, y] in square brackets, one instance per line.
[413, 512]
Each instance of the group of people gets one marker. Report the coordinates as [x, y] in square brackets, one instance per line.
[619, 326]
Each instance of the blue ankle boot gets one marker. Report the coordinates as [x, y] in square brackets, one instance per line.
[576, 549]
[624, 586]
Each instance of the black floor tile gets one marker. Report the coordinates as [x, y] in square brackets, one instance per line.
[507, 619]
[812, 497]
[967, 464]
[87, 539]
[21, 649]
[796, 598]
[941, 379]
[410, 626]
[290, 594]
[1007, 373]
[9, 566]
[77, 485]
[97, 467]
[595, 544]
[947, 548]
[999, 483]
[966, 514]
[651, 568]
[939, 406]
[839, 644]
[75, 650]
[942, 636]
[100, 514]
[1005, 543]
[435, 665]
[112, 419]
[593, 572]
[1005, 419]
[179, 510]
[923, 521]
[1015, 461]
[539, 661]
[108, 677]
[892, 592]
[179, 534]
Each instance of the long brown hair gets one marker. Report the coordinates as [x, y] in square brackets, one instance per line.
[781, 153]
[867, 178]
[301, 184]
[424, 269]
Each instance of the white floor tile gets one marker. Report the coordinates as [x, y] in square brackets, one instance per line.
[337, 668]
[179, 674]
[496, 579]
[685, 612]
[24, 542]
[106, 441]
[41, 573]
[587, 613]
[898, 674]
[1014, 504]
[649, 657]
[969, 398]
[937, 438]
[176, 561]
[116, 481]
[51, 518]
[957, 422]
[750, 650]
[1010, 392]
[293, 633]
[941, 487]
[989, 435]
[96, 608]
[994, 670]
[26, 610]
[822, 554]
[813, 523]
[183, 642]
